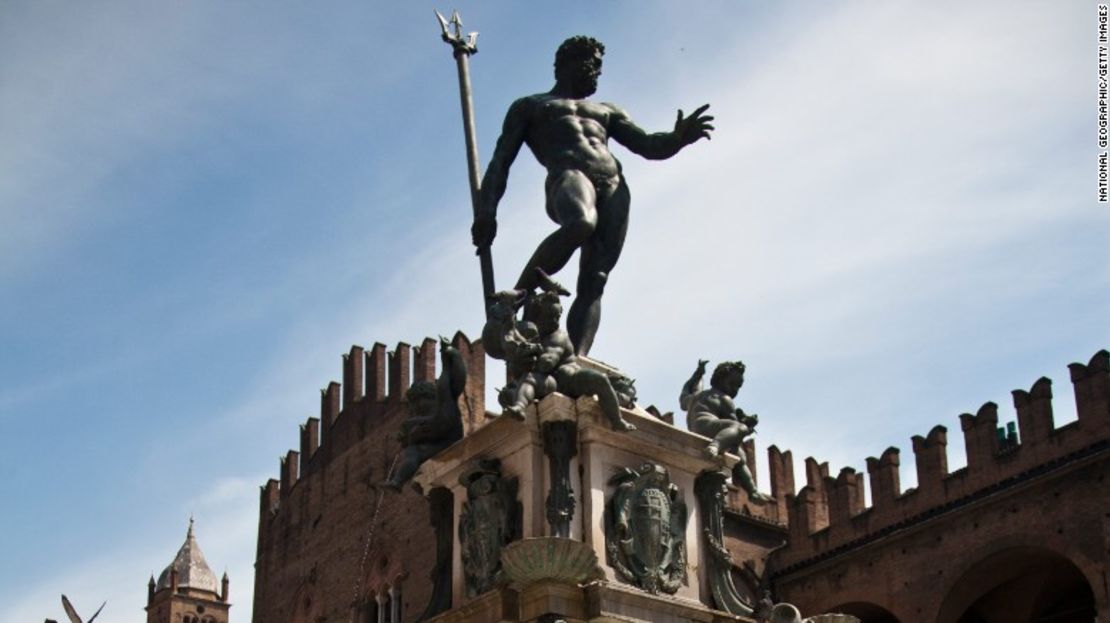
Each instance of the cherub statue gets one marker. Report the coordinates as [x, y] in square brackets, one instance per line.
[540, 356]
[434, 421]
[711, 412]
[515, 341]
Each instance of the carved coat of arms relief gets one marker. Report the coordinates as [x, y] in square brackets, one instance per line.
[489, 520]
[645, 531]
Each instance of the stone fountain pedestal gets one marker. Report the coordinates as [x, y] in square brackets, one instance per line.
[559, 517]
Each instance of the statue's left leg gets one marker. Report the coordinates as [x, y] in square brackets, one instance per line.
[586, 382]
[599, 255]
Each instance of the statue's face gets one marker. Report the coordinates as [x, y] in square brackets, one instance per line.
[547, 320]
[586, 73]
[581, 74]
[732, 382]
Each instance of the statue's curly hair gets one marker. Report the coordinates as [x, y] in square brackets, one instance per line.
[577, 48]
[420, 390]
[725, 368]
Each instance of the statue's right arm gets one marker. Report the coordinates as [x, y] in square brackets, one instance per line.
[452, 380]
[692, 386]
[497, 173]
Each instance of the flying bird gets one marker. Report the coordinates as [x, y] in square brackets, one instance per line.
[72, 614]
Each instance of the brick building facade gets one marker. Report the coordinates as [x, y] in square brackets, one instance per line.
[313, 563]
[1021, 533]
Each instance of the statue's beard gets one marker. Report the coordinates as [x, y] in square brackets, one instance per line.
[586, 85]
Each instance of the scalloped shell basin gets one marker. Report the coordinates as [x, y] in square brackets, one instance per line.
[549, 558]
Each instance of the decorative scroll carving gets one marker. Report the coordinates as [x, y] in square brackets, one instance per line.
[560, 443]
[645, 536]
[490, 519]
[441, 507]
[710, 490]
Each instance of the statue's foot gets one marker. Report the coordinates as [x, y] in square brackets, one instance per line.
[514, 411]
[756, 496]
[548, 284]
[623, 426]
[712, 451]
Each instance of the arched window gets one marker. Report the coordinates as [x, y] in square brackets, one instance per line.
[369, 612]
[386, 615]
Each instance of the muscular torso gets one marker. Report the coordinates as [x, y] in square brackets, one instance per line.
[570, 134]
[557, 352]
[712, 403]
[557, 359]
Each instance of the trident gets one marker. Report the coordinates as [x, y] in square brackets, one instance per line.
[462, 49]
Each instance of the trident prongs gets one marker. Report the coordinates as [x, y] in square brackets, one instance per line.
[466, 46]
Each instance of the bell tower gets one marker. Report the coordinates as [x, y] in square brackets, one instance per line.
[187, 591]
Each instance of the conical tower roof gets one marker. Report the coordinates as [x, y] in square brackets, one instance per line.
[192, 569]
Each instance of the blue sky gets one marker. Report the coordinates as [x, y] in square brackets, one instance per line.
[203, 204]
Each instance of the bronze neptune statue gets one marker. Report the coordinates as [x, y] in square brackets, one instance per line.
[586, 194]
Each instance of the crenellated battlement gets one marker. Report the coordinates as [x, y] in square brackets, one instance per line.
[315, 513]
[828, 516]
[370, 402]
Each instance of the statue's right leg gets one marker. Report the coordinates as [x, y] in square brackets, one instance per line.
[729, 437]
[407, 465]
[599, 256]
[571, 202]
[724, 434]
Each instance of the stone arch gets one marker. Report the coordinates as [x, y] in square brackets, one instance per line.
[1091, 569]
[872, 603]
[866, 612]
[1019, 578]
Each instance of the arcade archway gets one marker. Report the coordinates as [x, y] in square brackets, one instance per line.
[1020, 584]
[866, 612]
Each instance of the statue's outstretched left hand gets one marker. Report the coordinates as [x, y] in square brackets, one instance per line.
[696, 126]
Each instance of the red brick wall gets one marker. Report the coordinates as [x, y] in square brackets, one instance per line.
[313, 522]
[905, 552]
